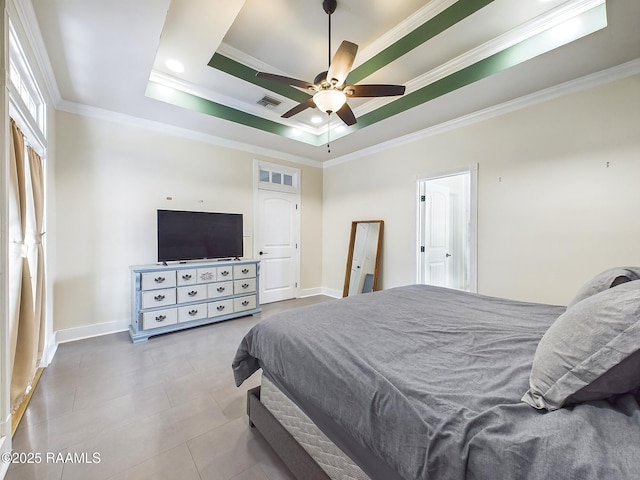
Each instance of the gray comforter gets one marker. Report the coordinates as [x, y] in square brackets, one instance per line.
[428, 381]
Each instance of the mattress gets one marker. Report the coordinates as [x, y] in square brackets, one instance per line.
[329, 457]
[426, 383]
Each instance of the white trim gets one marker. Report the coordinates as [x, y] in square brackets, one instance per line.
[425, 13]
[30, 31]
[421, 16]
[517, 35]
[593, 80]
[88, 331]
[180, 85]
[5, 373]
[164, 128]
[312, 292]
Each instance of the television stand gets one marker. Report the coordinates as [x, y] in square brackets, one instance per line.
[166, 298]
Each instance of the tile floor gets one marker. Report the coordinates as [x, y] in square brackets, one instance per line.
[166, 408]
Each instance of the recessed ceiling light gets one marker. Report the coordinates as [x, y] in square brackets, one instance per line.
[174, 65]
[316, 119]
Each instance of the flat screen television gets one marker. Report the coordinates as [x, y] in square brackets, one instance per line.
[184, 235]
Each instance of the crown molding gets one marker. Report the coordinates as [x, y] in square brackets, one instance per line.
[587, 82]
[160, 127]
[517, 35]
[201, 92]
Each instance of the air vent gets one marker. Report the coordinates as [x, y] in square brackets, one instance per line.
[269, 102]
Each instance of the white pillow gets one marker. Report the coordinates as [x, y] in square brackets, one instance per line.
[591, 352]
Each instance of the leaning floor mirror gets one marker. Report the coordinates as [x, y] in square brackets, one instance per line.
[363, 258]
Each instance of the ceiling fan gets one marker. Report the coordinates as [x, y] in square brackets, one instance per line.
[331, 94]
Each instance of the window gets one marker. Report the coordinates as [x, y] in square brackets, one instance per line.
[277, 176]
[24, 91]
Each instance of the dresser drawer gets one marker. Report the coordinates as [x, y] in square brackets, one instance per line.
[244, 271]
[159, 298]
[192, 293]
[219, 289]
[192, 312]
[223, 307]
[159, 318]
[224, 273]
[247, 285]
[155, 280]
[186, 277]
[244, 303]
[206, 275]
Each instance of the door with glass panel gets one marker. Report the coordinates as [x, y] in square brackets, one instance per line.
[277, 232]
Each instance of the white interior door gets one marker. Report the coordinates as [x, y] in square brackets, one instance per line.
[276, 245]
[447, 231]
[437, 236]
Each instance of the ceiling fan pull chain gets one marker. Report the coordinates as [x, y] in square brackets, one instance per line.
[328, 132]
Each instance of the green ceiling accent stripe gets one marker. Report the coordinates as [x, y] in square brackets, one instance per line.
[497, 62]
[248, 74]
[198, 104]
[507, 58]
[436, 25]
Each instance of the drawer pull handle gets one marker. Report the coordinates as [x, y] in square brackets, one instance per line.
[159, 279]
[161, 318]
[159, 298]
[245, 303]
[224, 273]
[220, 308]
[220, 289]
[245, 285]
[192, 293]
[193, 312]
[245, 270]
[186, 276]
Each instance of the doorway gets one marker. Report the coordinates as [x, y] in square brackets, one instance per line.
[277, 227]
[447, 230]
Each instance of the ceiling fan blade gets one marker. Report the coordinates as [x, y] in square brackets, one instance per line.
[346, 114]
[287, 80]
[299, 108]
[374, 90]
[341, 63]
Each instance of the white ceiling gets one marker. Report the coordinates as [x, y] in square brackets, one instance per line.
[103, 55]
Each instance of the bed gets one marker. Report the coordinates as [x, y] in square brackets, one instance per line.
[422, 382]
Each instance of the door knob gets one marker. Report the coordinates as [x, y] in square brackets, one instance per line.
[263, 253]
[447, 255]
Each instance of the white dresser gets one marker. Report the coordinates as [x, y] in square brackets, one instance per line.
[179, 296]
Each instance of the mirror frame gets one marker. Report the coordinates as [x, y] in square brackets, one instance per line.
[347, 275]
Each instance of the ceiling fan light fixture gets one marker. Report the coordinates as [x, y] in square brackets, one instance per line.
[329, 100]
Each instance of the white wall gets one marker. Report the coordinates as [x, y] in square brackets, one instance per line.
[558, 195]
[111, 178]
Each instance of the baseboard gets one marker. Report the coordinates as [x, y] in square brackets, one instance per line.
[310, 292]
[88, 331]
[5, 446]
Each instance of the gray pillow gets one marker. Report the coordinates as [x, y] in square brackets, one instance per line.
[605, 280]
[591, 352]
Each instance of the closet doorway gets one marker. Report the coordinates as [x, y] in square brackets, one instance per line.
[447, 230]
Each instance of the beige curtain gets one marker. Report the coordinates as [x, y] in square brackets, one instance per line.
[37, 186]
[24, 327]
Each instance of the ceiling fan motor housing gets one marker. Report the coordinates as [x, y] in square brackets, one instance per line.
[329, 6]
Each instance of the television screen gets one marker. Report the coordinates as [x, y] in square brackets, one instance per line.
[186, 235]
